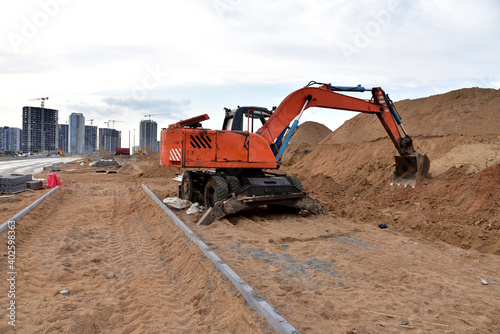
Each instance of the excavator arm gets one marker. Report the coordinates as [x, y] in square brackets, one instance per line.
[325, 97]
[410, 165]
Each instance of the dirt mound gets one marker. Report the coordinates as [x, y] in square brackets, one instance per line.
[351, 169]
[147, 166]
[153, 156]
[304, 141]
[472, 155]
[310, 133]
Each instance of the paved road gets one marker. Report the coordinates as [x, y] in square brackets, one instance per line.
[30, 165]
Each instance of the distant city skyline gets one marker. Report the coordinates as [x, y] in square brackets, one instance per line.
[42, 134]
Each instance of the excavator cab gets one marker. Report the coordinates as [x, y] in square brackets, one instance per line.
[243, 118]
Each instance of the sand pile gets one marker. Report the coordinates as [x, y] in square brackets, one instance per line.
[148, 166]
[459, 131]
[100, 153]
[310, 133]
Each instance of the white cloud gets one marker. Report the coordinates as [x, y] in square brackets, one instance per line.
[221, 52]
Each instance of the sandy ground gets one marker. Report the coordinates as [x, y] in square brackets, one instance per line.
[335, 273]
[104, 224]
[324, 274]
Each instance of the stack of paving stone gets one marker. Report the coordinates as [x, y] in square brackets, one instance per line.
[14, 183]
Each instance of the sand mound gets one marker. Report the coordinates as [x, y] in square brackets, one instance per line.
[148, 166]
[310, 133]
[472, 156]
[100, 153]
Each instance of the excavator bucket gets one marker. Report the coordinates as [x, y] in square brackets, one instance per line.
[410, 169]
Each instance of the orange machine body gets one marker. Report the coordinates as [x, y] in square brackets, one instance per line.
[205, 148]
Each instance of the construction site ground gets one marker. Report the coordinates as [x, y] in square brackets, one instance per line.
[129, 269]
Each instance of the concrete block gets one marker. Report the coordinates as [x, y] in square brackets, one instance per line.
[15, 188]
[15, 179]
[12, 181]
[34, 184]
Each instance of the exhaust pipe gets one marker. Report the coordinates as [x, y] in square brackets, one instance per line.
[410, 169]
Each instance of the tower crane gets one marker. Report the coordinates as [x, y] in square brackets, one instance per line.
[91, 121]
[112, 121]
[153, 115]
[40, 98]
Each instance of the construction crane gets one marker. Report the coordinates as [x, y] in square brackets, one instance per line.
[91, 121]
[40, 98]
[112, 121]
[153, 115]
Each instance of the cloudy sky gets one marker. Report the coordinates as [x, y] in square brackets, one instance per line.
[122, 60]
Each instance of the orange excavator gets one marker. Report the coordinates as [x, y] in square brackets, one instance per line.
[240, 158]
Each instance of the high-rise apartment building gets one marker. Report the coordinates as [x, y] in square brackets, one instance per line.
[10, 139]
[77, 133]
[39, 130]
[148, 135]
[109, 139]
[90, 138]
[63, 140]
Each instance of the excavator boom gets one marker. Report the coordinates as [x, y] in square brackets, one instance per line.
[411, 166]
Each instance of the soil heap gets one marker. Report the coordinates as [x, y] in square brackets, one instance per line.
[99, 153]
[305, 139]
[310, 133]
